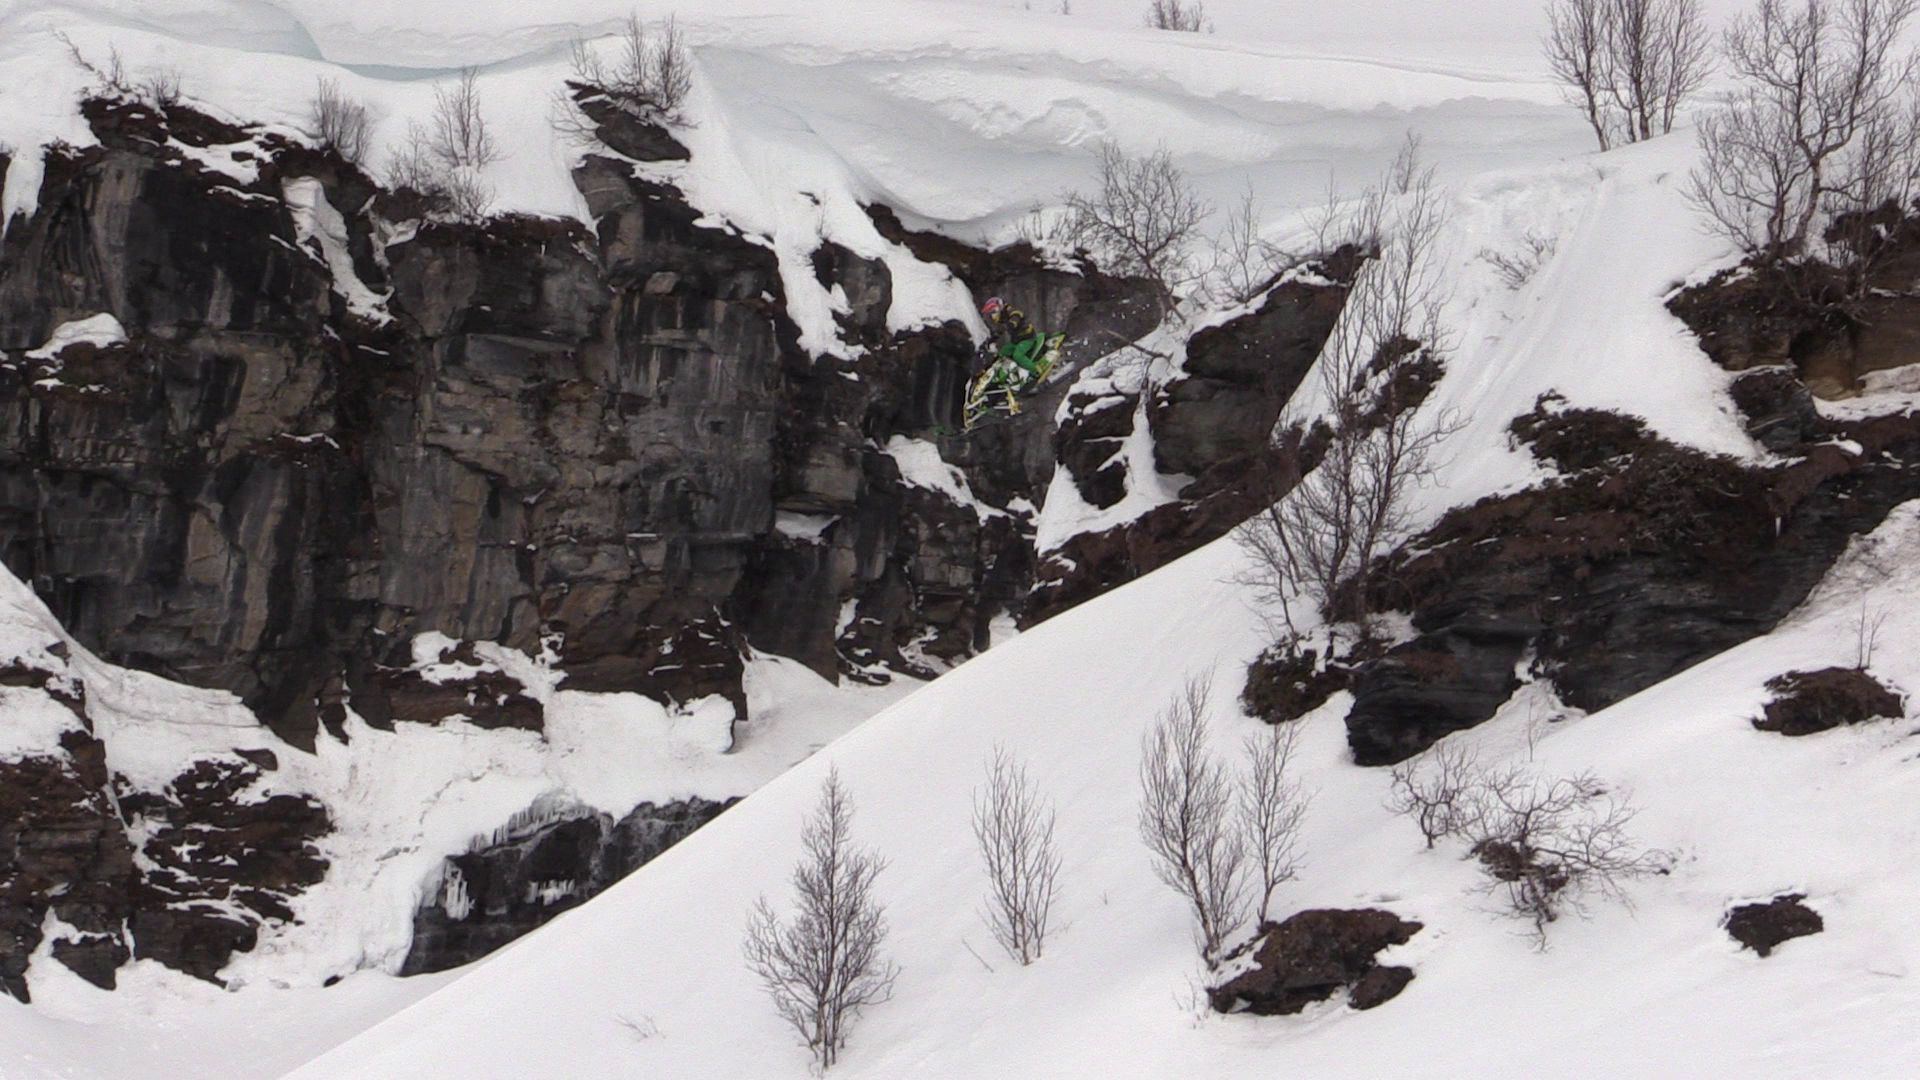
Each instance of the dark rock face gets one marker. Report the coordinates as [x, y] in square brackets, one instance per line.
[606, 441]
[1806, 702]
[1829, 330]
[535, 867]
[1215, 423]
[1764, 927]
[63, 850]
[1313, 955]
[1645, 561]
[1239, 376]
[315, 446]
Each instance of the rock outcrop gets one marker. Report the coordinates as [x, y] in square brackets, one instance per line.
[1765, 927]
[538, 865]
[334, 425]
[328, 425]
[1642, 559]
[1212, 423]
[185, 874]
[1312, 955]
[1808, 702]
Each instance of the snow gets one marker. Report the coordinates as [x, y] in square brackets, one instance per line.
[400, 800]
[922, 466]
[808, 528]
[316, 222]
[968, 115]
[1652, 990]
[97, 330]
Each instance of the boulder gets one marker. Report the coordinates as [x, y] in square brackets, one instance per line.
[1312, 955]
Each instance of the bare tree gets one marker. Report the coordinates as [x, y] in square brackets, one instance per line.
[1866, 635]
[1826, 126]
[162, 87]
[1576, 50]
[1143, 221]
[416, 165]
[109, 78]
[1013, 826]
[1439, 790]
[1544, 845]
[339, 123]
[649, 77]
[1386, 351]
[1244, 263]
[824, 966]
[443, 161]
[460, 138]
[1186, 808]
[1628, 65]
[1178, 15]
[1272, 808]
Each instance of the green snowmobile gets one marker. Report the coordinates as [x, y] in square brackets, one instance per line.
[1023, 359]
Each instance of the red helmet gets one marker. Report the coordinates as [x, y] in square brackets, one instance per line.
[992, 307]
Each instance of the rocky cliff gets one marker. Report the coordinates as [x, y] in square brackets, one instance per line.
[267, 427]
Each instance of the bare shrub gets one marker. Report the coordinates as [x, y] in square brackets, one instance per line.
[1387, 350]
[162, 87]
[1438, 790]
[412, 165]
[1143, 221]
[1013, 827]
[649, 77]
[1178, 15]
[442, 162]
[1866, 635]
[1628, 65]
[109, 77]
[459, 136]
[1545, 845]
[1518, 268]
[1825, 128]
[339, 123]
[1244, 263]
[1272, 808]
[824, 965]
[1186, 807]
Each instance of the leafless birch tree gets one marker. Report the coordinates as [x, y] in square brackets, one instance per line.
[1545, 844]
[1628, 65]
[1186, 818]
[339, 123]
[1825, 128]
[1272, 808]
[1439, 790]
[824, 965]
[1385, 352]
[649, 77]
[1190, 17]
[1013, 826]
[1143, 221]
[460, 137]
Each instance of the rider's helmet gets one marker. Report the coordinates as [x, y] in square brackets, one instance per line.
[993, 307]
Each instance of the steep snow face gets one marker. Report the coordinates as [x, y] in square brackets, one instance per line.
[1653, 990]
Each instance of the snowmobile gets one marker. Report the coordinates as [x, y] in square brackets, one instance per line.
[1015, 368]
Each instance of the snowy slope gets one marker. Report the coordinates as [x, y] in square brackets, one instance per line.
[967, 114]
[1658, 991]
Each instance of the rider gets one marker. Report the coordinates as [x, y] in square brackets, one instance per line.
[1014, 337]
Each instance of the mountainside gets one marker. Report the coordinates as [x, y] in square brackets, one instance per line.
[386, 582]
